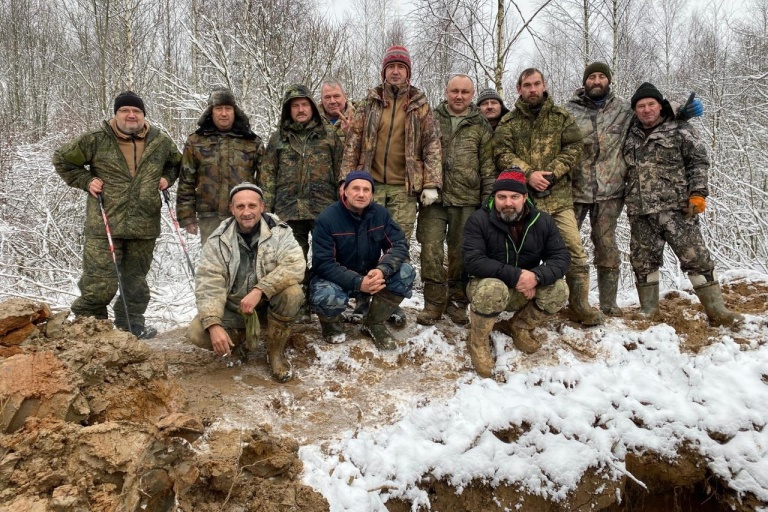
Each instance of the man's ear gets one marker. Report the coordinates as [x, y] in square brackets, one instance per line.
[231, 210]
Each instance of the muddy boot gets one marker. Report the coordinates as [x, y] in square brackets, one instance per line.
[648, 293]
[332, 330]
[457, 311]
[397, 318]
[608, 287]
[278, 331]
[478, 344]
[711, 297]
[383, 305]
[359, 313]
[578, 299]
[435, 301]
[523, 324]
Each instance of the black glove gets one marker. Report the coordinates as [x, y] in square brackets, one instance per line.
[692, 108]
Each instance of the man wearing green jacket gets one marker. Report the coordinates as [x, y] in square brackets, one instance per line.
[468, 177]
[545, 142]
[126, 162]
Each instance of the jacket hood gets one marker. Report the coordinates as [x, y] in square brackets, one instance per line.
[297, 91]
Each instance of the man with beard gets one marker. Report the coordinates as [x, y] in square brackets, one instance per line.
[598, 181]
[491, 106]
[545, 142]
[516, 260]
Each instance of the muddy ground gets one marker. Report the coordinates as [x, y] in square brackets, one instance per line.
[93, 419]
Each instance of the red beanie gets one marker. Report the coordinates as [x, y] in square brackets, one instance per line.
[396, 54]
[513, 180]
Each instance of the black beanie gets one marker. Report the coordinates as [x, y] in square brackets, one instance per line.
[597, 67]
[129, 99]
[646, 90]
[513, 180]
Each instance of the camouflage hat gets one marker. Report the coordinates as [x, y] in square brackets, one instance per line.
[296, 91]
[221, 96]
[246, 185]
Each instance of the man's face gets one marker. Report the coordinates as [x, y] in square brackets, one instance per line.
[510, 205]
[648, 111]
[596, 85]
[333, 100]
[532, 89]
[491, 109]
[247, 207]
[130, 120]
[358, 195]
[223, 117]
[301, 110]
[396, 73]
[459, 94]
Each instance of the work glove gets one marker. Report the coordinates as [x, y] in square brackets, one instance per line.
[696, 205]
[692, 108]
[428, 196]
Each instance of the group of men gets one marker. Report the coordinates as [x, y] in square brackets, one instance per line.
[507, 190]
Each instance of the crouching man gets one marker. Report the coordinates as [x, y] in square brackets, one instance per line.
[516, 260]
[358, 251]
[250, 272]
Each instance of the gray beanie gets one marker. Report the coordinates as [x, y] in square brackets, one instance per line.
[488, 94]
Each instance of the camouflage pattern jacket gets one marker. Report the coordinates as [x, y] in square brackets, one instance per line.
[664, 168]
[133, 203]
[300, 166]
[279, 264]
[602, 172]
[211, 164]
[550, 142]
[422, 140]
[468, 170]
[349, 113]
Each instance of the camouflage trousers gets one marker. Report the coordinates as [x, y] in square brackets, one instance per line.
[565, 220]
[284, 305]
[98, 283]
[491, 296]
[650, 233]
[434, 222]
[329, 299]
[603, 218]
[207, 225]
[399, 204]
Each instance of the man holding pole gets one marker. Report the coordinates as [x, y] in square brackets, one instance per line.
[121, 165]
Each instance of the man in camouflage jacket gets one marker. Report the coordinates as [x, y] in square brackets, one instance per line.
[223, 152]
[126, 161]
[545, 142]
[301, 165]
[666, 189]
[335, 108]
[468, 176]
[252, 265]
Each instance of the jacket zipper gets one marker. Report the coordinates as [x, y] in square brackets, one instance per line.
[389, 136]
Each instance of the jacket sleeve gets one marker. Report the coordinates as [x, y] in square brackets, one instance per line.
[353, 143]
[337, 155]
[258, 161]
[172, 161]
[475, 252]
[395, 251]
[211, 283]
[487, 168]
[571, 148]
[431, 151]
[290, 261]
[504, 150]
[268, 178]
[71, 158]
[557, 258]
[324, 263]
[696, 160]
[185, 194]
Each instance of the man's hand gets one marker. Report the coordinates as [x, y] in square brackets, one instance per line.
[537, 181]
[692, 108]
[249, 302]
[222, 345]
[696, 205]
[428, 196]
[373, 282]
[95, 187]
[191, 228]
[527, 284]
[163, 184]
[344, 122]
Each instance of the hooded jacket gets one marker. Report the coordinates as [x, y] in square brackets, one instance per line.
[301, 163]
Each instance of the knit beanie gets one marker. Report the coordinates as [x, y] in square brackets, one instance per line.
[646, 90]
[597, 67]
[513, 180]
[396, 54]
[221, 96]
[129, 99]
[359, 175]
[246, 185]
[488, 94]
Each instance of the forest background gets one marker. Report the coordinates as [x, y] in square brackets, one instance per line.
[63, 61]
